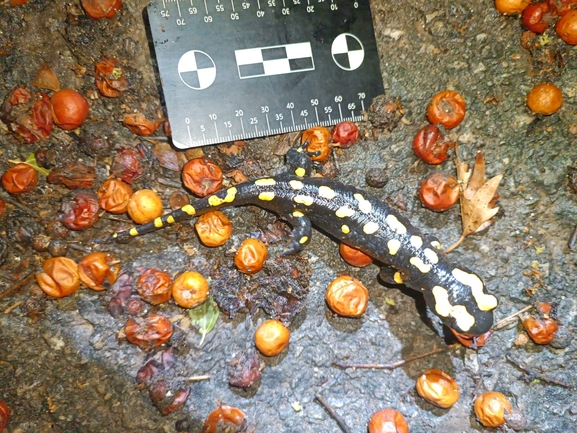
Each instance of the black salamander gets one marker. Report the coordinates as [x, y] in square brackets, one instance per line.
[358, 219]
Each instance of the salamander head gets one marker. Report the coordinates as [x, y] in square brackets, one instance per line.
[463, 304]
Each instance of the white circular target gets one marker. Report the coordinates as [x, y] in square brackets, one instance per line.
[347, 51]
[196, 69]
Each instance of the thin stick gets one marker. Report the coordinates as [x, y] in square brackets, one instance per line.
[199, 378]
[18, 285]
[395, 364]
[455, 245]
[13, 307]
[533, 373]
[509, 319]
[341, 422]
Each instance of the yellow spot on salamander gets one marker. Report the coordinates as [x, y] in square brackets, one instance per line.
[266, 196]
[326, 192]
[265, 182]
[416, 241]
[296, 184]
[188, 209]
[394, 245]
[431, 256]
[484, 301]
[420, 265]
[444, 308]
[370, 227]
[345, 229]
[344, 212]
[436, 244]
[398, 278]
[298, 214]
[364, 205]
[158, 223]
[300, 172]
[170, 219]
[304, 199]
[395, 224]
[214, 200]
[303, 240]
[133, 231]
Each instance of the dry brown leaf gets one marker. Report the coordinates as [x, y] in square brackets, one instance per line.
[477, 198]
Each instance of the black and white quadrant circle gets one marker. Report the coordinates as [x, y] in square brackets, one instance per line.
[196, 69]
[347, 51]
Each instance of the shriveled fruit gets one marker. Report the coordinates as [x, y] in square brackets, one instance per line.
[108, 77]
[154, 286]
[438, 388]
[73, 176]
[101, 8]
[144, 206]
[190, 289]
[347, 296]
[81, 212]
[271, 337]
[447, 108]
[114, 195]
[225, 419]
[27, 114]
[69, 109]
[430, 146]
[140, 124]
[439, 192]
[149, 332]
[345, 134]
[96, 268]
[202, 176]
[545, 99]
[213, 228]
[388, 421]
[20, 179]
[250, 256]
[541, 331]
[60, 277]
[491, 408]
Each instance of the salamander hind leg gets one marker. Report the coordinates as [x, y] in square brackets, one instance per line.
[302, 232]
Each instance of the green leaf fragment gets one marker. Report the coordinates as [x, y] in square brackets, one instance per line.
[204, 317]
[31, 161]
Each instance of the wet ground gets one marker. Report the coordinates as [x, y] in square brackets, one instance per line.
[72, 371]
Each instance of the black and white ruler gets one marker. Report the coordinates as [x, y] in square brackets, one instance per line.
[238, 69]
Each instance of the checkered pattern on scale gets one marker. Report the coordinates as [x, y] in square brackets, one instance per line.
[275, 60]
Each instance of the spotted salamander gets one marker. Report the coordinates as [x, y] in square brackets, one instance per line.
[452, 292]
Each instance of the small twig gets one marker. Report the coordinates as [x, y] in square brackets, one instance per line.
[536, 375]
[79, 248]
[152, 139]
[395, 364]
[509, 319]
[455, 245]
[18, 285]
[341, 422]
[168, 182]
[13, 307]
[199, 378]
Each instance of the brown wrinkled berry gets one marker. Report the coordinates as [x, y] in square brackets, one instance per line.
[491, 408]
[27, 114]
[271, 337]
[140, 125]
[318, 139]
[69, 109]
[213, 228]
[144, 206]
[114, 195]
[154, 286]
[81, 212]
[244, 369]
[430, 146]
[225, 419]
[388, 421]
[438, 388]
[202, 176]
[60, 277]
[127, 164]
[108, 78]
[439, 192]
[376, 177]
[149, 332]
[345, 134]
[75, 175]
[347, 296]
[447, 108]
[354, 257]
[96, 268]
[190, 289]
[541, 331]
[250, 256]
[20, 179]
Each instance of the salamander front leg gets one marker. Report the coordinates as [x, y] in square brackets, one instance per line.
[301, 234]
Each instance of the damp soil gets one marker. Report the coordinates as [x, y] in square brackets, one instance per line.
[66, 367]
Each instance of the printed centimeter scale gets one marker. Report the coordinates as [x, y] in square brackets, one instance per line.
[454, 293]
